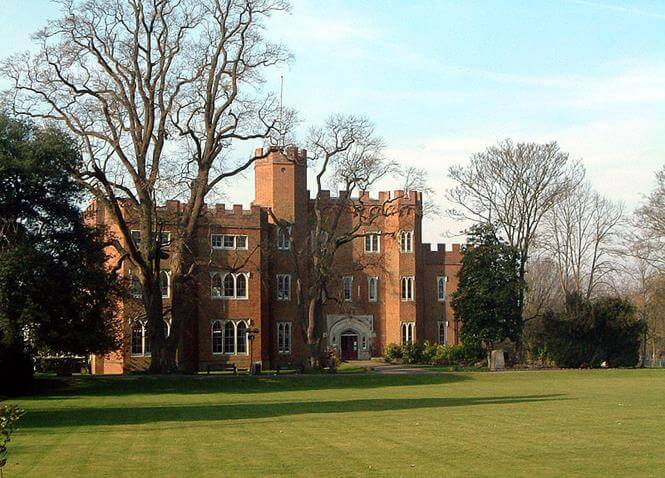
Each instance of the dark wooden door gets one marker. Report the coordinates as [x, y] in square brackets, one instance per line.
[349, 347]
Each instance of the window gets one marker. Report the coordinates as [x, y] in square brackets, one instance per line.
[228, 241]
[229, 337]
[347, 282]
[137, 293]
[441, 288]
[372, 289]
[407, 288]
[364, 343]
[216, 288]
[442, 332]
[283, 287]
[217, 337]
[241, 338]
[228, 285]
[284, 238]
[241, 286]
[284, 337]
[140, 341]
[216, 241]
[165, 283]
[136, 238]
[241, 242]
[406, 241]
[165, 238]
[408, 329]
[373, 243]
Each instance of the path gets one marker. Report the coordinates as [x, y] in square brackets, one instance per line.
[389, 368]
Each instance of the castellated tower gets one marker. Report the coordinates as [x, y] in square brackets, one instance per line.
[281, 182]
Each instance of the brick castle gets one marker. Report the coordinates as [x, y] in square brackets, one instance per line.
[392, 288]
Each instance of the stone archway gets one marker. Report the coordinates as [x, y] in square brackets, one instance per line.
[355, 327]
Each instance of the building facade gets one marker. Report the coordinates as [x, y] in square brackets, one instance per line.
[389, 286]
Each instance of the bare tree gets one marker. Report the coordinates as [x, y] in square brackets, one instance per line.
[344, 152]
[581, 235]
[513, 185]
[543, 291]
[648, 242]
[156, 91]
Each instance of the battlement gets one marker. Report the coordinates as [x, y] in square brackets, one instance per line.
[275, 154]
[442, 254]
[397, 197]
[219, 210]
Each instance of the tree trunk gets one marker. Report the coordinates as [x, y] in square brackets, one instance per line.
[312, 334]
[152, 299]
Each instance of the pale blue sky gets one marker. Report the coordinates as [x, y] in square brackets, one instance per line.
[443, 79]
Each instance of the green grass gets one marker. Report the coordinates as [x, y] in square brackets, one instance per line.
[548, 423]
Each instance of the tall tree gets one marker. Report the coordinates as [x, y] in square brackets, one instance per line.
[649, 241]
[513, 185]
[581, 235]
[156, 92]
[56, 293]
[345, 153]
[487, 297]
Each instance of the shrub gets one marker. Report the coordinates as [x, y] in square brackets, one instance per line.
[429, 352]
[457, 354]
[591, 332]
[9, 417]
[393, 352]
[412, 353]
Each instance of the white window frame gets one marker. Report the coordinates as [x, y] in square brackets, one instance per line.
[246, 246]
[441, 288]
[222, 291]
[212, 241]
[222, 237]
[168, 283]
[442, 326]
[407, 332]
[284, 338]
[407, 293]
[406, 242]
[372, 237]
[235, 323]
[144, 338]
[212, 336]
[286, 289]
[369, 289]
[347, 281]
[283, 242]
[165, 235]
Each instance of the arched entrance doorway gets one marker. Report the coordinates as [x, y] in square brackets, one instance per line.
[349, 345]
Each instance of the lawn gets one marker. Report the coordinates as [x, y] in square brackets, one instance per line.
[547, 423]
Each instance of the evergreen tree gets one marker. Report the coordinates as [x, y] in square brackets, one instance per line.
[487, 298]
[56, 295]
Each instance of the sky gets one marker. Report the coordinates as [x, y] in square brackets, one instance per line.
[444, 79]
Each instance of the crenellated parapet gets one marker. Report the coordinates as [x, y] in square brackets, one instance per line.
[387, 198]
[442, 254]
[275, 154]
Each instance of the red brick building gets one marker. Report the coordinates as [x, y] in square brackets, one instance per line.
[392, 287]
